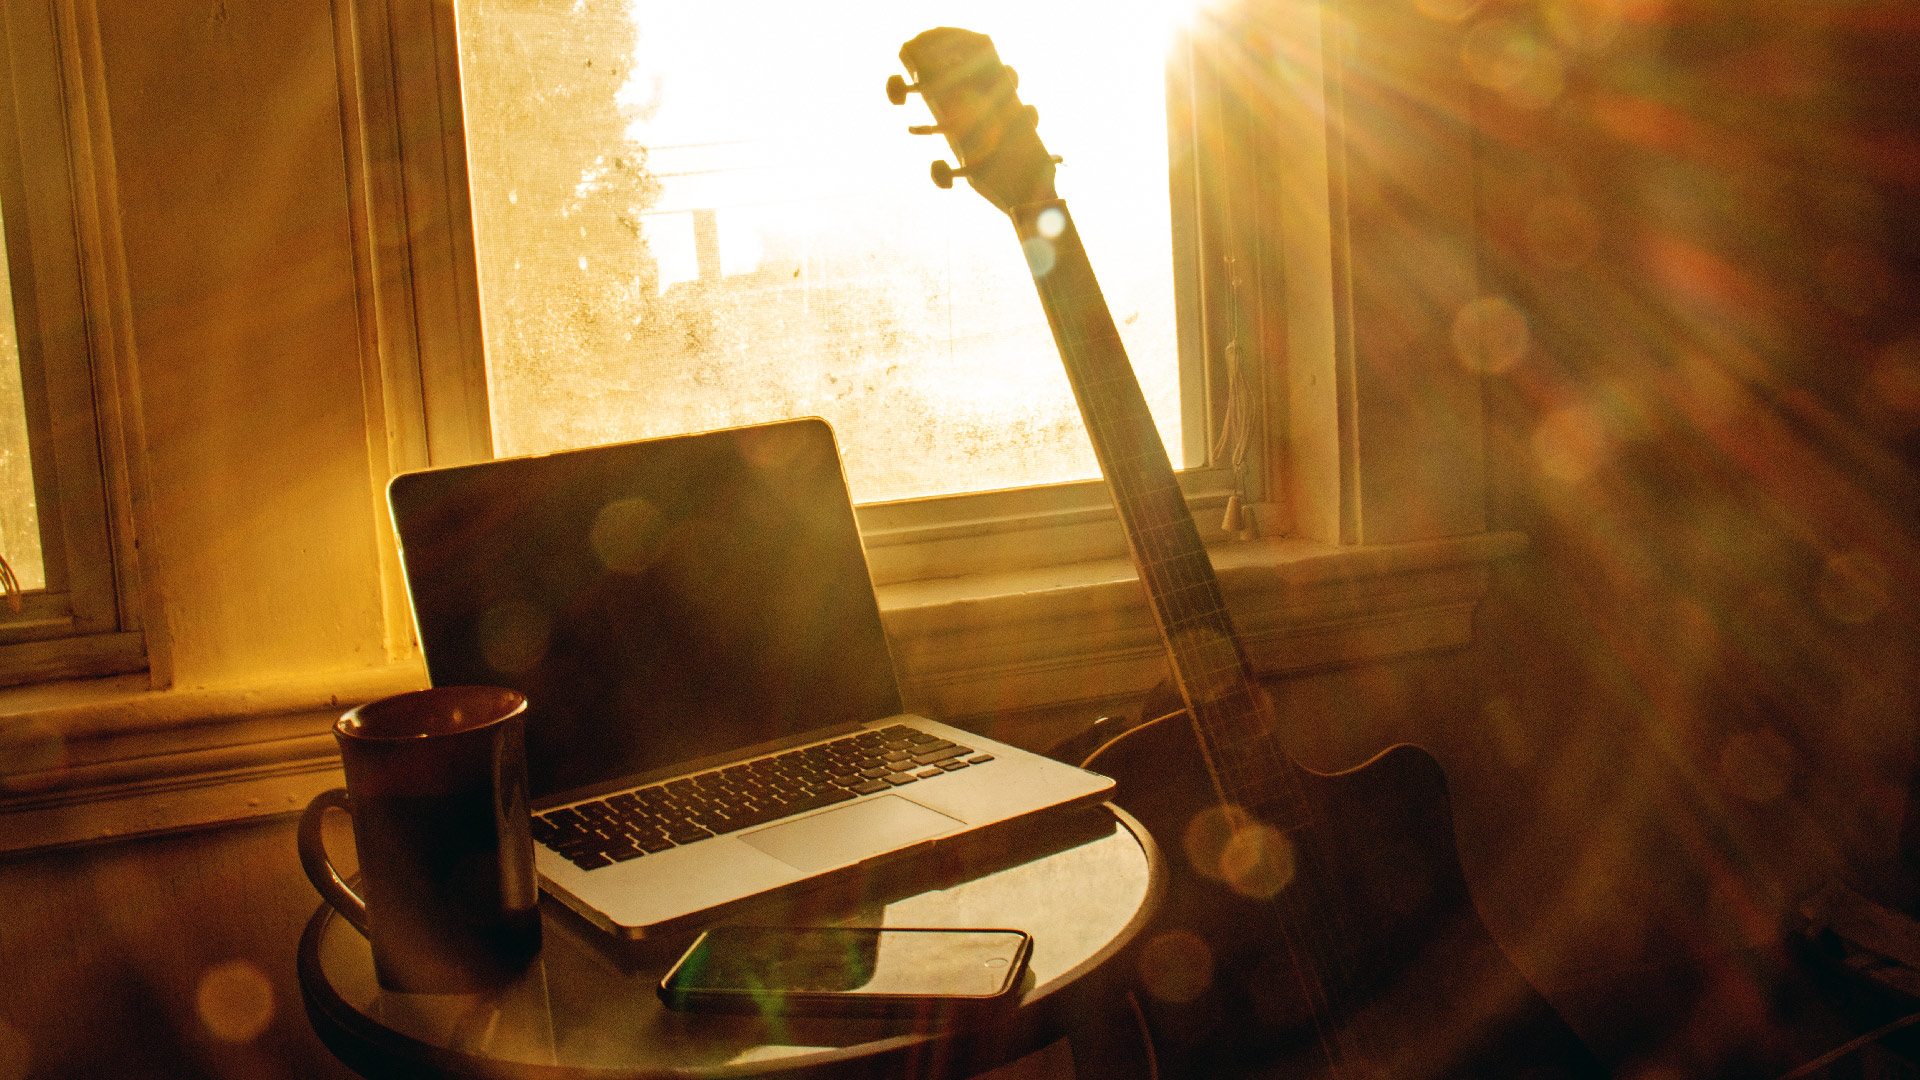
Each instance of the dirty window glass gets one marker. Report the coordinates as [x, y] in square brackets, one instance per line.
[19, 514]
[697, 215]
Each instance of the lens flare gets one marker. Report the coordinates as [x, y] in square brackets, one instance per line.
[513, 636]
[1229, 845]
[235, 1001]
[1040, 256]
[626, 535]
[1258, 861]
[1497, 53]
[1176, 966]
[1570, 444]
[1207, 836]
[1490, 335]
[1511, 59]
[1587, 25]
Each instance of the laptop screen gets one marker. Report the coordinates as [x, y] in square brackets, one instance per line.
[658, 602]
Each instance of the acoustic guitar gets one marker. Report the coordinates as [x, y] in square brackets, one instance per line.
[1319, 924]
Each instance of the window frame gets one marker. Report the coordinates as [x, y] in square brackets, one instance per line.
[70, 310]
[1261, 182]
[1037, 525]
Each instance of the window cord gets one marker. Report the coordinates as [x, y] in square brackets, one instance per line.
[11, 584]
[1231, 443]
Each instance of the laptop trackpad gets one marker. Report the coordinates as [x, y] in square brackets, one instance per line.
[851, 833]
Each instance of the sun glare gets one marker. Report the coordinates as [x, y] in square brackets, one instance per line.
[798, 260]
[790, 135]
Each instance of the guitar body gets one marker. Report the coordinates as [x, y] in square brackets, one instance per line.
[1424, 988]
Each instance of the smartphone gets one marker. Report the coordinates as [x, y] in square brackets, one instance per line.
[846, 971]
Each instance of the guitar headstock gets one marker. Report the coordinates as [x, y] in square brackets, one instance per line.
[972, 97]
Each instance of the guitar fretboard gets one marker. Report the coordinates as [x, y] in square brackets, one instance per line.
[1209, 665]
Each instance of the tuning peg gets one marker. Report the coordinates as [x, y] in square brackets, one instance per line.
[923, 129]
[898, 89]
[1033, 116]
[944, 173]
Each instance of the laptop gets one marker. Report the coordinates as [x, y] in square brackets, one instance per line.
[712, 708]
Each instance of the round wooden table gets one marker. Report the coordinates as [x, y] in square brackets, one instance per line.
[585, 1008]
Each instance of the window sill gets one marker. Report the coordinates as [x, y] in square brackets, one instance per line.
[994, 643]
[103, 759]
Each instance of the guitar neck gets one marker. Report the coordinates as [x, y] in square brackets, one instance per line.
[1209, 665]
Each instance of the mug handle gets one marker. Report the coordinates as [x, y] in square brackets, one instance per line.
[313, 857]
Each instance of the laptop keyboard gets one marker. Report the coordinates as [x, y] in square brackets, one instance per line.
[653, 819]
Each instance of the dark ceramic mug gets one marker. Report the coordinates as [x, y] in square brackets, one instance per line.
[437, 788]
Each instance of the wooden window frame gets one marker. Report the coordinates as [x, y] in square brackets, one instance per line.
[423, 81]
[70, 309]
[1261, 183]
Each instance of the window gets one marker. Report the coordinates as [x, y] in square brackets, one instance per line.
[58, 447]
[1007, 604]
[1014, 597]
[687, 218]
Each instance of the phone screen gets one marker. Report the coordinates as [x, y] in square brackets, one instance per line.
[740, 964]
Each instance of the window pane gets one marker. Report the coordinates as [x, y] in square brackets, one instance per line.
[698, 215]
[19, 517]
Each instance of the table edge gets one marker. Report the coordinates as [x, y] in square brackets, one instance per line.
[387, 1051]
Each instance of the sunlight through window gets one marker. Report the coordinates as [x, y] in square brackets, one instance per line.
[692, 216]
[19, 512]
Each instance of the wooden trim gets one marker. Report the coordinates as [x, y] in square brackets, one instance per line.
[1084, 633]
[392, 389]
[1401, 181]
[1237, 256]
[995, 532]
[1345, 381]
[110, 759]
[113, 760]
[423, 43]
[73, 316]
[119, 712]
[40, 237]
[193, 800]
[415, 274]
[86, 783]
[1184, 186]
[79, 371]
[108, 305]
[75, 657]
